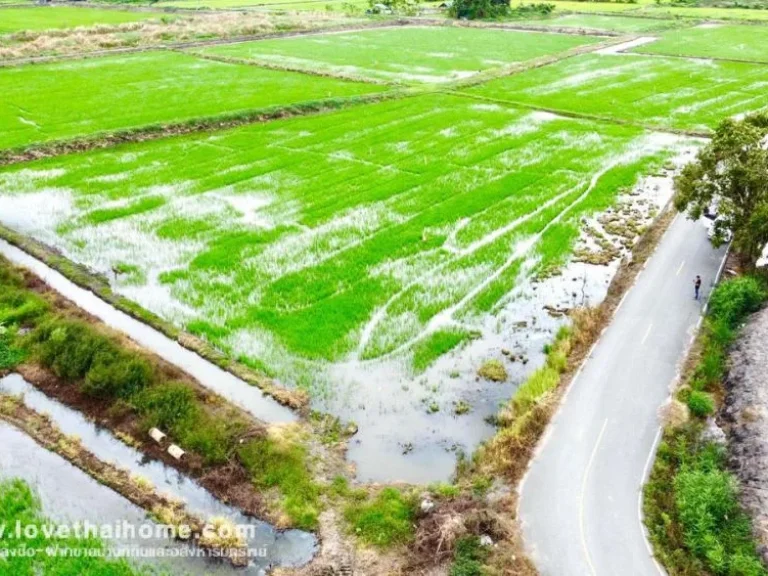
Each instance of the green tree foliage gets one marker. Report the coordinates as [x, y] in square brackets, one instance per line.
[732, 173]
[479, 9]
[403, 7]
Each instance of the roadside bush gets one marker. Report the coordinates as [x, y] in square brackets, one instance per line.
[715, 528]
[385, 520]
[733, 300]
[701, 404]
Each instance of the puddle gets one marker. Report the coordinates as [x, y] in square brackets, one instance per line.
[68, 495]
[282, 548]
[209, 375]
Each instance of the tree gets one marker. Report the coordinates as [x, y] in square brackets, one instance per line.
[731, 175]
[477, 9]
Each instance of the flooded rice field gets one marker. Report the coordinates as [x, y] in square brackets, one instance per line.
[281, 548]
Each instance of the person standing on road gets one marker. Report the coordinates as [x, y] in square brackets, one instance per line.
[697, 287]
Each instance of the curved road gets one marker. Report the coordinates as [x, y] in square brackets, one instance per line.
[580, 501]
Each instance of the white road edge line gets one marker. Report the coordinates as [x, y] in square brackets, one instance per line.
[657, 439]
[581, 498]
[647, 333]
[680, 269]
[643, 480]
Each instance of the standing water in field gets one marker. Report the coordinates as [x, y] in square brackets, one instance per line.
[378, 265]
[207, 374]
[280, 548]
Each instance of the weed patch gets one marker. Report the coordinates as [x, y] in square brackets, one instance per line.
[385, 520]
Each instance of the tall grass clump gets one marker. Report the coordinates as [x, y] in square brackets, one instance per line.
[385, 520]
[281, 463]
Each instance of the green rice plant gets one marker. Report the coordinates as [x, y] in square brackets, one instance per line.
[428, 350]
[139, 207]
[404, 54]
[385, 520]
[144, 89]
[638, 89]
[726, 41]
[341, 235]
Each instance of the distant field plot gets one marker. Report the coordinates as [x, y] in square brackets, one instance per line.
[714, 41]
[600, 22]
[673, 92]
[706, 13]
[339, 236]
[421, 54]
[51, 17]
[570, 6]
[103, 94]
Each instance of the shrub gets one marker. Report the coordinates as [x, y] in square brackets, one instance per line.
[701, 404]
[715, 528]
[10, 356]
[67, 347]
[385, 520]
[117, 375]
[734, 299]
[170, 406]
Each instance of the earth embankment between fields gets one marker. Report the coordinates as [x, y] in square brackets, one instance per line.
[746, 413]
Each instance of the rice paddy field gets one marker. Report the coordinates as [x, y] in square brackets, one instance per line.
[54, 17]
[664, 92]
[131, 91]
[602, 22]
[405, 54]
[374, 254]
[748, 43]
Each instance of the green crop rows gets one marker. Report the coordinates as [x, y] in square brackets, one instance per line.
[602, 22]
[410, 54]
[714, 41]
[652, 91]
[45, 18]
[340, 234]
[123, 92]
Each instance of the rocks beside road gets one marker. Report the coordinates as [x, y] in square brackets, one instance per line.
[745, 412]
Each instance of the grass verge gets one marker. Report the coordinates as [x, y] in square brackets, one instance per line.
[695, 521]
[95, 370]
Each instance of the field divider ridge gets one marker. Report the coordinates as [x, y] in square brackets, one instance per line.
[357, 26]
[583, 116]
[698, 58]
[520, 67]
[281, 68]
[226, 121]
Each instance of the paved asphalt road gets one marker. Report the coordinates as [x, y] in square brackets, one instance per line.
[579, 503]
